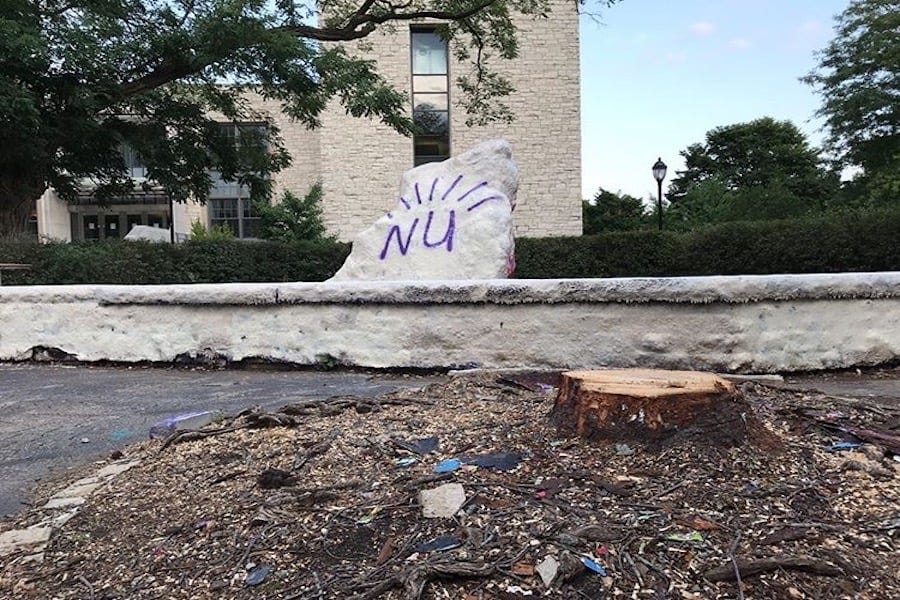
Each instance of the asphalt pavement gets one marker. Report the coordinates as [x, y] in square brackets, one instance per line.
[54, 418]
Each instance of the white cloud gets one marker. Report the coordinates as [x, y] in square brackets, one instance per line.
[703, 28]
[738, 44]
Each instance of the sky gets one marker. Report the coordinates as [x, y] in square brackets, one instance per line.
[658, 74]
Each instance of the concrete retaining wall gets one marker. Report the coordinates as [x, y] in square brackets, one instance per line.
[738, 324]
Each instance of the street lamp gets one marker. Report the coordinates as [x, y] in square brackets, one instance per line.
[659, 173]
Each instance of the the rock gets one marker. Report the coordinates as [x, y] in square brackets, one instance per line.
[148, 234]
[443, 501]
[453, 220]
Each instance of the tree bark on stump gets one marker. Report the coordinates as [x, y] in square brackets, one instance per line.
[650, 405]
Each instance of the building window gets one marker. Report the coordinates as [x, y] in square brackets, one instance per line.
[237, 214]
[431, 96]
[133, 163]
[229, 201]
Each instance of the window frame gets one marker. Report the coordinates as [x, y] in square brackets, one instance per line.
[238, 192]
[434, 139]
[241, 204]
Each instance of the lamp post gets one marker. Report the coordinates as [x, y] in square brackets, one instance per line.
[659, 173]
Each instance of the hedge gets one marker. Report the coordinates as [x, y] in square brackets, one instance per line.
[193, 262]
[849, 242]
[852, 242]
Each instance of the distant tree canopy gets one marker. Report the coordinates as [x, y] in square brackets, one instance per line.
[80, 79]
[858, 78]
[764, 169]
[609, 211]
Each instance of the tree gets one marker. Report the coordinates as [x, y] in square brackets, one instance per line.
[81, 79]
[609, 211]
[858, 77]
[758, 159]
[294, 218]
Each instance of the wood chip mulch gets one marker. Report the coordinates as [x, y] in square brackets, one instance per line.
[321, 500]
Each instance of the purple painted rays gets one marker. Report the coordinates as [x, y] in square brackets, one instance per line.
[443, 202]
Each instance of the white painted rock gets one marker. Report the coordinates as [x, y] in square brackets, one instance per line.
[150, 234]
[453, 220]
[443, 501]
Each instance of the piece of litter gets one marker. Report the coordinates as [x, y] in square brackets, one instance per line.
[693, 537]
[840, 446]
[515, 589]
[194, 420]
[420, 446]
[257, 575]
[448, 466]
[406, 462]
[501, 461]
[442, 502]
[547, 569]
[593, 566]
[440, 544]
[85, 441]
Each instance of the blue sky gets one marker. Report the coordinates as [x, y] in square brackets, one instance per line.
[657, 75]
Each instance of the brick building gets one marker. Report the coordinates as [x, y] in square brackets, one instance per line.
[359, 161]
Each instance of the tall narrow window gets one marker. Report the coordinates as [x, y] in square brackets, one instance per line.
[229, 201]
[431, 100]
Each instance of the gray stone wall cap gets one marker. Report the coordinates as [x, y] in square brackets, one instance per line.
[693, 290]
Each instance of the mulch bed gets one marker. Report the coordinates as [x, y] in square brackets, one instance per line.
[321, 500]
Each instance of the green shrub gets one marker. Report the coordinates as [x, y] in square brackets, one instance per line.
[294, 218]
[216, 233]
[847, 242]
[206, 261]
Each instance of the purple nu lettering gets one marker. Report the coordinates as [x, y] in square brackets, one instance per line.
[448, 235]
[395, 232]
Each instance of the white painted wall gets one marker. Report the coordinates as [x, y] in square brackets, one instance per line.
[739, 324]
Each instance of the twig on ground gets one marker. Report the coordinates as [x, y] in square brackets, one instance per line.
[750, 568]
[737, 571]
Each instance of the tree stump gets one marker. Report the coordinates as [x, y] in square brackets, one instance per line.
[650, 405]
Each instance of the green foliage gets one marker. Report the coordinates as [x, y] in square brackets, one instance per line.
[764, 169]
[218, 233]
[207, 261]
[858, 77]
[294, 218]
[866, 241]
[81, 79]
[861, 241]
[609, 211]
[711, 202]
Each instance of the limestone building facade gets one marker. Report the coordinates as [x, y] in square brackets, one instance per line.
[359, 161]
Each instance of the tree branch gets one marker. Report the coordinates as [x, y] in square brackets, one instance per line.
[360, 25]
[352, 30]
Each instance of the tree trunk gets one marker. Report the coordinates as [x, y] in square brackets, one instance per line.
[650, 405]
[17, 199]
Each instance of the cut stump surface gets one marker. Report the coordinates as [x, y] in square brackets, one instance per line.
[645, 404]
